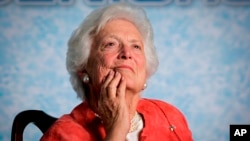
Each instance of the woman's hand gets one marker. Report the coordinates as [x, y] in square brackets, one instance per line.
[112, 106]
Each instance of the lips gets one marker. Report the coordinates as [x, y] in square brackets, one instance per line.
[124, 67]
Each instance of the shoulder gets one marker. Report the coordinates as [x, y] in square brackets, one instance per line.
[65, 128]
[154, 104]
[168, 114]
[161, 109]
[70, 126]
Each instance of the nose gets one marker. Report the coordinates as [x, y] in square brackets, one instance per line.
[125, 53]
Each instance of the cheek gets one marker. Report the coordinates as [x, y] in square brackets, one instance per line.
[98, 68]
[141, 63]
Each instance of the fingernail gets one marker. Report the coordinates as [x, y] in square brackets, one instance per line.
[111, 72]
[123, 78]
[116, 73]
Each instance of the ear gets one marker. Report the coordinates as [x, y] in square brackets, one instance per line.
[80, 74]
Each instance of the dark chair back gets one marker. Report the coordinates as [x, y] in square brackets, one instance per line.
[42, 120]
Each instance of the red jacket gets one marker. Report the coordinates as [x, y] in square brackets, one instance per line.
[162, 122]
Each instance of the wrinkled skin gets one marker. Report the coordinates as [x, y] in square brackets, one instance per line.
[117, 71]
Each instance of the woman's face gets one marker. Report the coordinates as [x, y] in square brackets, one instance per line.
[118, 47]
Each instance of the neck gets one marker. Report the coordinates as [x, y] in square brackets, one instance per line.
[132, 100]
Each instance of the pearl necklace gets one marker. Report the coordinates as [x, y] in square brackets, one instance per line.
[134, 123]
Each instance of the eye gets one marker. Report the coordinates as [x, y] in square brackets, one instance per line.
[111, 44]
[137, 47]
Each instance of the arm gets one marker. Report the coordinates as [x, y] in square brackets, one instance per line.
[112, 107]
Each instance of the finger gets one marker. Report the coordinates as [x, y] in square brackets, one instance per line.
[112, 87]
[105, 83]
[108, 78]
[121, 88]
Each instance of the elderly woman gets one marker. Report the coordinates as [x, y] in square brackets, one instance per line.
[110, 57]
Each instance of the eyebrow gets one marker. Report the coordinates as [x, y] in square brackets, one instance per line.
[118, 38]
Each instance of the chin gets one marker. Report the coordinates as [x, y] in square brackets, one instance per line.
[133, 87]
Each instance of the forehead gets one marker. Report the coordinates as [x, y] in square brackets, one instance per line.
[121, 27]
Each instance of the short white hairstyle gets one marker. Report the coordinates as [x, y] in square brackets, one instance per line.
[81, 40]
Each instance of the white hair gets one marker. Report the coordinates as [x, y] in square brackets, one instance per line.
[81, 39]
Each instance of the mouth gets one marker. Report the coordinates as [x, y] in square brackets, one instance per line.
[124, 67]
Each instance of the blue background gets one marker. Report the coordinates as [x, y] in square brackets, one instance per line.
[204, 53]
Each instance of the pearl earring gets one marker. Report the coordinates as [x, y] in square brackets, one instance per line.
[85, 78]
[144, 86]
